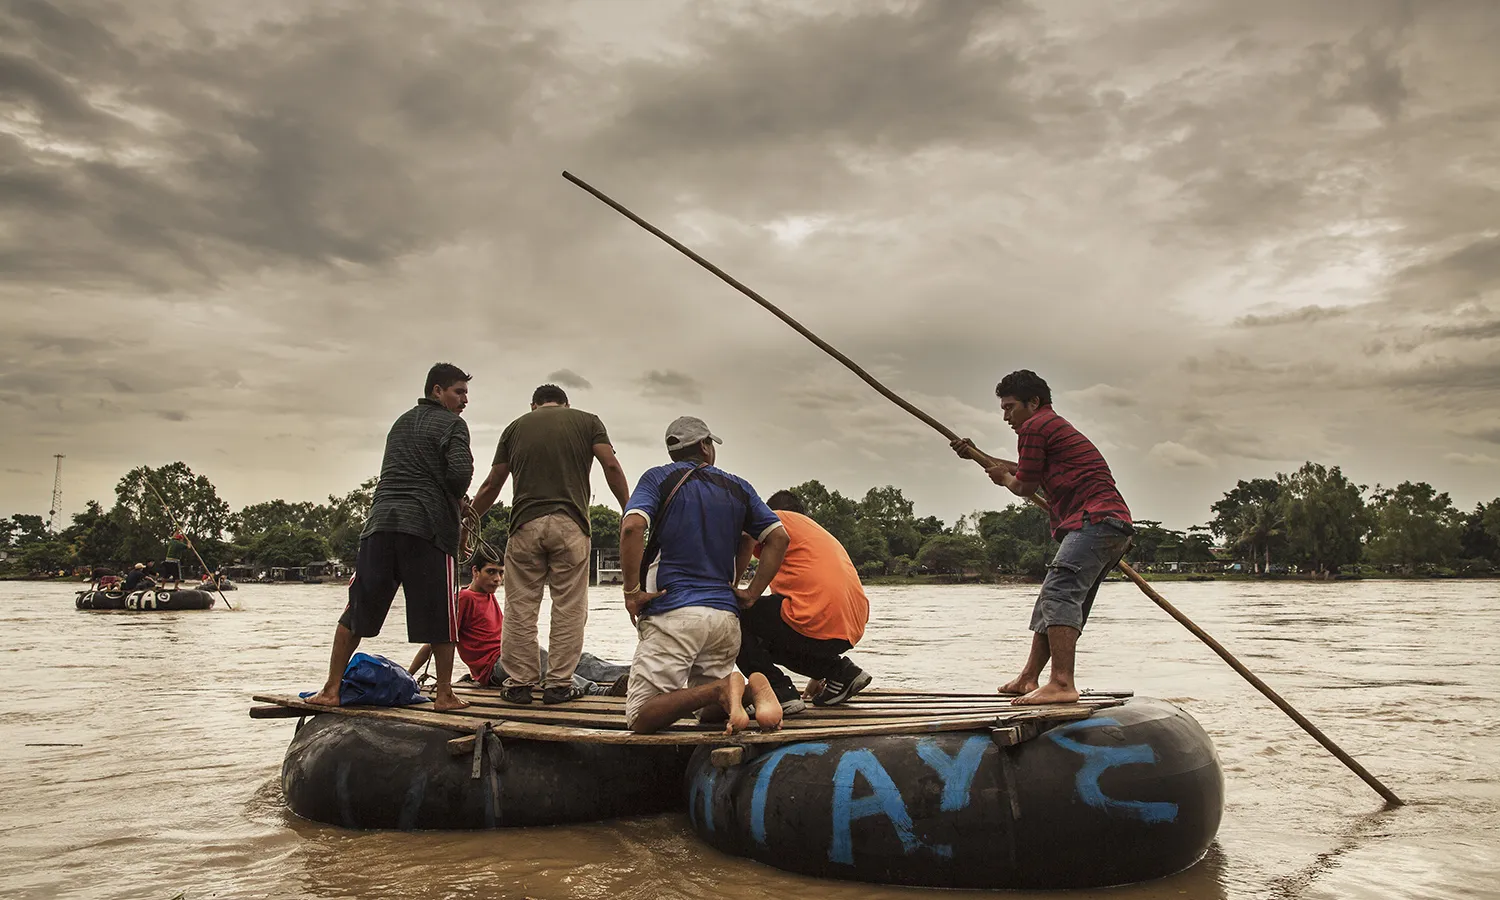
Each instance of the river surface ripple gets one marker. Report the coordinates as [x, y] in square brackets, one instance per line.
[166, 786]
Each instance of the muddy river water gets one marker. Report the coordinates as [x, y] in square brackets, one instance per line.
[129, 768]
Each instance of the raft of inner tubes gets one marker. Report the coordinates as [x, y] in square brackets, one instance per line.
[152, 599]
[372, 773]
[1131, 793]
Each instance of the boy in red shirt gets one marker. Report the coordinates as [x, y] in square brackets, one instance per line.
[480, 623]
[1089, 519]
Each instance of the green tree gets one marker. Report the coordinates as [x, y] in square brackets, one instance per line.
[28, 529]
[928, 526]
[888, 510]
[192, 499]
[604, 527]
[1257, 529]
[287, 545]
[1251, 503]
[867, 547]
[1413, 527]
[258, 517]
[1325, 515]
[1153, 543]
[47, 557]
[835, 512]
[1198, 545]
[953, 553]
[1479, 539]
[1016, 537]
[97, 536]
[494, 529]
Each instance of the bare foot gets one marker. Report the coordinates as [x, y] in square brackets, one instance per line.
[767, 707]
[732, 698]
[325, 697]
[813, 689]
[1021, 684]
[1051, 692]
[447, 701]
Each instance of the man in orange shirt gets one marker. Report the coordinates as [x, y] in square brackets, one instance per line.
[815, 613]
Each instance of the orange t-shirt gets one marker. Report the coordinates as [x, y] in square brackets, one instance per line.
[824, 599]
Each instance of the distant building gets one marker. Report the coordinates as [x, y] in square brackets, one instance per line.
[607, 567]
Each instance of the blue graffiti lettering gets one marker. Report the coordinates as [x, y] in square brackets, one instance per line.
[1098, 759]
[703, 787]
[884, 800]
[957, 772]
[767, 765]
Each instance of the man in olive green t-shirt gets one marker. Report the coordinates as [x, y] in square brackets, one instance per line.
[550, 451]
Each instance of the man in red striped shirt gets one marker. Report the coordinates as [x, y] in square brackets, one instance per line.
[1089, 519]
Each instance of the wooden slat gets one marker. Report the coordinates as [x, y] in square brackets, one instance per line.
[467, 720]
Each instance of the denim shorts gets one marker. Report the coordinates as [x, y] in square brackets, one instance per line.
[1074, 575]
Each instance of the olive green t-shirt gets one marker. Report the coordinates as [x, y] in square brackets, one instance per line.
[550, 451]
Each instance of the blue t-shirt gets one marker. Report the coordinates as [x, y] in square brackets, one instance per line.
[695, 565]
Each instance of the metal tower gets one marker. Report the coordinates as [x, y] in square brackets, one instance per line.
[56, 495]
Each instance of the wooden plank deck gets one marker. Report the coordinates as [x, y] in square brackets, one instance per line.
[602, 719]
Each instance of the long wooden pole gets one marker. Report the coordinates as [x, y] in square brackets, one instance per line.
[983, 459]
[186, 539]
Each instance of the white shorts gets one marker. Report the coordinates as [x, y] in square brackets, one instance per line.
[680, 648]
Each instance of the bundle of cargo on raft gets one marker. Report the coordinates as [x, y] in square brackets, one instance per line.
[899, 787]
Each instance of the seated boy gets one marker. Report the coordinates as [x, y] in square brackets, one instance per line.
[479, 628]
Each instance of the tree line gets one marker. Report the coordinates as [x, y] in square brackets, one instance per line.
[1313, 520]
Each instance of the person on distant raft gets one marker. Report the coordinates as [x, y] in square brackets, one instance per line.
[138, 578]
[815, 613]
[550, 451]
[1089, 519]
[411, 535]
[680, 587]
[171, 566]
[480, 629]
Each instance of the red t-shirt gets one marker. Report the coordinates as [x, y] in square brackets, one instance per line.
[1070, 469]
[479, 621]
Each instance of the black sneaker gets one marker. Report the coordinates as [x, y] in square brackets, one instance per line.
[791, 701]
[520, 693]
[621, 687]
[553, 695]
[850, 680]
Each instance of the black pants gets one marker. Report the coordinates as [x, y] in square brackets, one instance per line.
[425, 574]
[767, 641]
[171, 570]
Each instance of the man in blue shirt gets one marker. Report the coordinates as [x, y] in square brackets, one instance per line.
[680, 587]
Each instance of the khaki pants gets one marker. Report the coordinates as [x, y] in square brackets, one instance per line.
[680, 648]
[550, 551]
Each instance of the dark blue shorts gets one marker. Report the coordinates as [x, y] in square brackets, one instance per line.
[1075, 573]
[426, 575]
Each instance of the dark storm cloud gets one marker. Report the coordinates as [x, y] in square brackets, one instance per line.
[1460, 275]
[279, 145]
[173, 415]
[784, 110]
[569, 378]
[671, 385]
[1302, 316]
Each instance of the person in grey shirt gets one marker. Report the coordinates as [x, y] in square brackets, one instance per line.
[410, 539]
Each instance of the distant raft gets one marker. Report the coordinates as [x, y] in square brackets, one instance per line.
[153, 599]
[362, 772]
[1128, 794]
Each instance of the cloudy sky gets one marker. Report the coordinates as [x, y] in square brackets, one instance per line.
[1233, 236]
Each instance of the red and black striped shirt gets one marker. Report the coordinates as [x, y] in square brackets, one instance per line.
[1070, 469]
